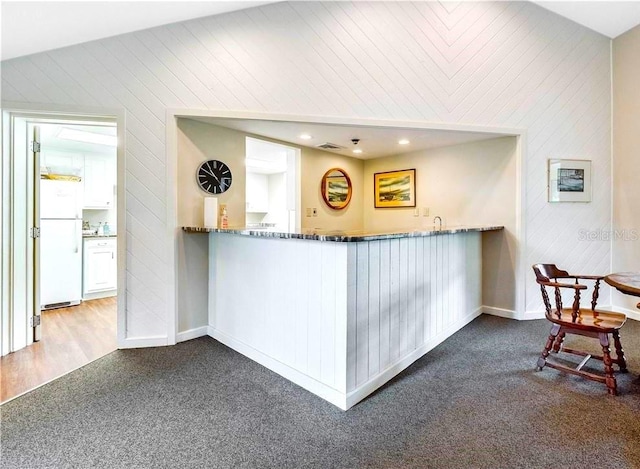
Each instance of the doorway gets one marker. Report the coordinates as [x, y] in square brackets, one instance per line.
[62, 262]
[271, 185]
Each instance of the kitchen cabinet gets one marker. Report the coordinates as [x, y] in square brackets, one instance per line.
[99, 181]
[100, 267]
[257, 193]
[59, 161]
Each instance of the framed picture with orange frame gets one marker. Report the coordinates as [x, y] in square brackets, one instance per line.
[394, 189]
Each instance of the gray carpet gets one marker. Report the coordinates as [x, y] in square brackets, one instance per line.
[474, 401]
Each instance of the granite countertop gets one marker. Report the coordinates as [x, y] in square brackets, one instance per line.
[345, 236]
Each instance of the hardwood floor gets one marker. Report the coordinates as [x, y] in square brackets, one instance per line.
[71, 337]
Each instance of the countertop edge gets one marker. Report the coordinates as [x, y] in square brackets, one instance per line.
[321, 235]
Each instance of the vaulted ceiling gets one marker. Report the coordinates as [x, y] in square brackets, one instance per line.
[31, 27]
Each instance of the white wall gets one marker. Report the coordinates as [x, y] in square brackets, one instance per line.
[315, 164]
[626, 170]
[509, 64]
[472, 183]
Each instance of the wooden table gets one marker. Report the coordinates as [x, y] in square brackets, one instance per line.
[625, 282]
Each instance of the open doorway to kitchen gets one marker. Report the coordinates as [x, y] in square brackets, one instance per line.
[63, 241]
[271, 185]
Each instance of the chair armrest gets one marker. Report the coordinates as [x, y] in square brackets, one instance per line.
[575, 286]
[587, 277]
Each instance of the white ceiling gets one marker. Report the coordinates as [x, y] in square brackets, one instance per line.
[31, 27]
[375, 142]
[265, 157]
[51, 140]
[611, 18]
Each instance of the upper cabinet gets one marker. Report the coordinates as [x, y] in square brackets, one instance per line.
[99, 181]
[61, 162]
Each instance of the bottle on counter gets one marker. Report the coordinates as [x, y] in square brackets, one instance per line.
[106, 229]
[100, 231]
[224, 219]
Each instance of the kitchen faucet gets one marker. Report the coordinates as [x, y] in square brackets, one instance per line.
[440, 224]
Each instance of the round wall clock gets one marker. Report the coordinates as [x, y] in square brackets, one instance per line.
[214, 177]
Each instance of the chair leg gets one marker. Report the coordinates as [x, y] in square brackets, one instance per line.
[610, 380]
[622, 363]
[545, 353]
[558, 343]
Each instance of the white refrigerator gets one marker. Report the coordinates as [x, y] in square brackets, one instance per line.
[60, 243]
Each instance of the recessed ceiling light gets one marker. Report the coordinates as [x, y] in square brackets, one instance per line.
[357, 150]
[404, 141]
[305, 137]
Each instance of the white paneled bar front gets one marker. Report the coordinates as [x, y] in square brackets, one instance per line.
[341, 319]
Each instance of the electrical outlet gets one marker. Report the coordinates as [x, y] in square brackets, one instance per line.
[308, 211]
[425, 212]
[315, 211]
[416, 212]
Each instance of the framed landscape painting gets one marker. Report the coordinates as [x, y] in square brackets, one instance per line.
[395, 189]
[337, 189]
[569, 181]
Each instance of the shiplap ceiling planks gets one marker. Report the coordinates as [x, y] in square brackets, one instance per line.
[509, 64]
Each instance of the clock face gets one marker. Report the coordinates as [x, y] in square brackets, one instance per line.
[214, 177]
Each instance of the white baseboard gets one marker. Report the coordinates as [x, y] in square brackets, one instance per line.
[334, 396]
[192, 334]
[327, 393]
[140, 342]
[367, 388]
[529, 315]
[100, 294]
[501, 312]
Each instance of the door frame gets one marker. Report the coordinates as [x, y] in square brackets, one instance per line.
[57, 114]
[297, 156]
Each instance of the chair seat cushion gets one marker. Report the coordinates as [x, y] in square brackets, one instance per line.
[604, 321]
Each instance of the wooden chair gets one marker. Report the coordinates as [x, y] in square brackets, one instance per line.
[581, 321]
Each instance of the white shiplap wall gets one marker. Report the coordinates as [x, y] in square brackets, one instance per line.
[509, 64]
[341, 319]
[405, 297]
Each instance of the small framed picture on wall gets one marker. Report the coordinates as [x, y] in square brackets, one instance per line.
[395, 189]
[569, 180]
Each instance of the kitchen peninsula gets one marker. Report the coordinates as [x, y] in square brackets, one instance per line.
[341, 313]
